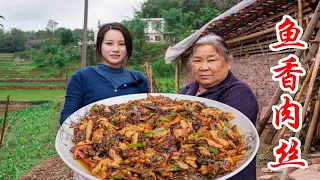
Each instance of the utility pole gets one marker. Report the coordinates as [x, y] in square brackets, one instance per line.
[84, 36]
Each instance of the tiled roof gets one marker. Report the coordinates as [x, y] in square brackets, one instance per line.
[253, 18]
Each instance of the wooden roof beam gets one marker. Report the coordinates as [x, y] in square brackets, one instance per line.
[263, 32]
[260, 38]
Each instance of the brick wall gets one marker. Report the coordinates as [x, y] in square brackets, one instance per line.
[255, 71]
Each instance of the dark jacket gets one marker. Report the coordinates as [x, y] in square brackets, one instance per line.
[238, 95]
[91, 84]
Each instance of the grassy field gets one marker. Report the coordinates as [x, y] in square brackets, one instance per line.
[29, 140]
[31, 95]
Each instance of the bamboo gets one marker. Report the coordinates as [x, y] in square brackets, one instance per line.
[272, 132]
[306, 36]
[66, 76]
[312, 49]
[264, 120]
[266, 49]
[318, 128]
[177, 76]
[151, 79]
[297, 98]
[147, 72]
[242, 38]
[300, 13]
[313, 125]
[305, 83]
[249, 41]
[307, 20]
[312, 25]
[239, 48]
[4, 120]
[149, 75]
[155, 86]
[309, 92]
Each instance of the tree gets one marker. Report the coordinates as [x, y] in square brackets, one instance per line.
[192, 5]
[20, 39]
[58, 31]
[224, 5]
[36, 39]
[84, 36]
[13, 41]
[52, 25]
[66, 37]
[151, 8]
[207, 14]
[2, 18]
[136, 28]
[177, 24]
[77, 35]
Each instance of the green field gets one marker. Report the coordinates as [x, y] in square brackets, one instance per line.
[31, 95]
[28, 141]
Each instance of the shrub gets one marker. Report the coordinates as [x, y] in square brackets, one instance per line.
[56, 55]
[161, 69]
[36, 44]
[27, 54]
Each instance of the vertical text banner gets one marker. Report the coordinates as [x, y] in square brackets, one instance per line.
[289, 112]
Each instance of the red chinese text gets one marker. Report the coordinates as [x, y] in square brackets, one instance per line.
[288, 113]
[288, 154]
[288, 35]
[287, 73]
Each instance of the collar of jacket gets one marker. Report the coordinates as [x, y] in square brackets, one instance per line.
[124, 85]
[110, 69]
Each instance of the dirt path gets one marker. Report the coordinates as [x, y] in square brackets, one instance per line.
[52, 169]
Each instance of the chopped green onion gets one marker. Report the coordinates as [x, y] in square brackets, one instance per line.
[224, 135]
[226, 124]
[108, 142]
[95, 108]
[199, 135]
[146, 134]
[166, 119]
[175, 167]
[124, 107]
[212, 150]
[115, 119]
[174, 114]
[162, 119]
[134, 146]
[117, 176]
[225, 129]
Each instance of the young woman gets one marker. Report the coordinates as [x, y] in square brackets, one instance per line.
[109, 78]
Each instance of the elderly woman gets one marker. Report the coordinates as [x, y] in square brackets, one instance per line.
[210, 62]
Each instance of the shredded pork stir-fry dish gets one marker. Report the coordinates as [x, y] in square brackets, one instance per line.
[158, 138]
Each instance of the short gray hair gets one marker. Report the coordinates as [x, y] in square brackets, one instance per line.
[217, 42]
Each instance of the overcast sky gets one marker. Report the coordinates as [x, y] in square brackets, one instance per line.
[35, 14]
